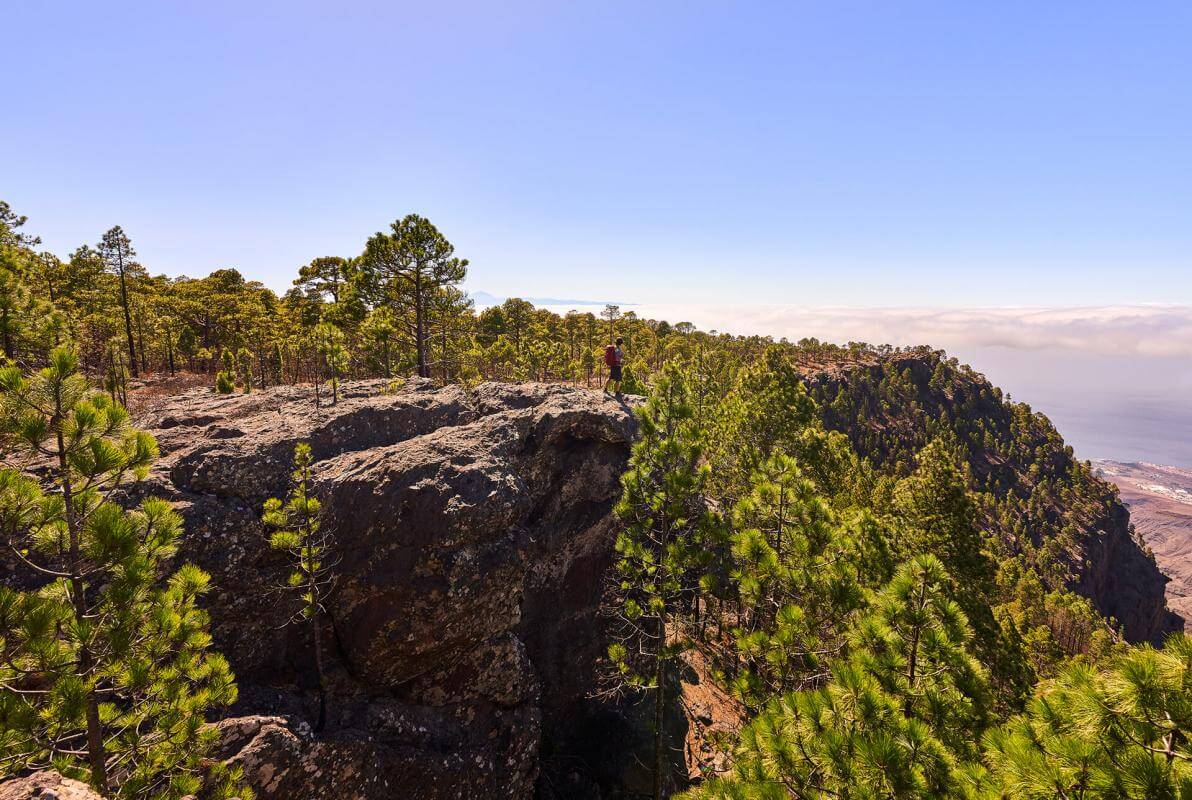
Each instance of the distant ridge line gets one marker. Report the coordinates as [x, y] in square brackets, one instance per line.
[484, 298]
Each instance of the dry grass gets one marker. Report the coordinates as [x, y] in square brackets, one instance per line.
[150, 392]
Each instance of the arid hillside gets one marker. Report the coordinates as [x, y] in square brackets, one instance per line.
[1160, 502]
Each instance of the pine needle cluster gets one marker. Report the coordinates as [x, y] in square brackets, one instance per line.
[106, 668]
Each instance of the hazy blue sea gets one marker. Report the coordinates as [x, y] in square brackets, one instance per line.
[1093, 371]
[1152, 429]
[1124, 408]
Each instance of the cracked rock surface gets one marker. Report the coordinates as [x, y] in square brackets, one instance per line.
[473, 532]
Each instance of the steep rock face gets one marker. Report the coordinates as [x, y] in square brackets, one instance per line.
[1123, 581]
[473, 532]
[1160, 502]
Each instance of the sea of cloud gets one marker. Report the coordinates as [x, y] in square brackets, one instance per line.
[1116, 380]
[1146, 331]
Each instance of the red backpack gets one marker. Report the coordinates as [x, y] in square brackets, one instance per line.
[610, 355]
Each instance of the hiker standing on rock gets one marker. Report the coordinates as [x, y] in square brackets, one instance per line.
[612, 357]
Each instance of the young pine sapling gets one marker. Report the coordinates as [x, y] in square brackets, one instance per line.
[297, 531]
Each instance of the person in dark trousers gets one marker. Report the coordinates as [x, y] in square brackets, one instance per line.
[613, 354]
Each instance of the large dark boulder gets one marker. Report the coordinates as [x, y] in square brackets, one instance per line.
[473, 534]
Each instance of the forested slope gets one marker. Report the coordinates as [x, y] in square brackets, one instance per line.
[1039, 504]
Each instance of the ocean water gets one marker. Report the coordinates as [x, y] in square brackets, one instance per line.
[1138, 428]
[1122, 408]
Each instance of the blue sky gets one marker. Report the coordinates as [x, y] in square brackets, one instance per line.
[847, 153]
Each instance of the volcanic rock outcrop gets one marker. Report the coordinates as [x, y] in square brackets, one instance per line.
[473, 533]
[48, 785]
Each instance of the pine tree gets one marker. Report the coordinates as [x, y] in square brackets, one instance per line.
[324, 276]
[897, 721]
[298, 532]
[611, 313]
[659, 550]
[449, 316]
[14, 296]
[116, 372]
[935, 501]
[1124, 733]
[244, 363]
[941, 519]
[26, 321]
[116, 251]
[10, 224]
[706, 386]
[404, 268]
[766, 410]
[516, 319]
[188, 344]
[105, 673]
[379, 341]
[225, 379]
[794, 570]
[329, 340]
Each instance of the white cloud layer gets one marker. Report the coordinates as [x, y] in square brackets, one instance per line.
[1149, 331]
[1113, 378]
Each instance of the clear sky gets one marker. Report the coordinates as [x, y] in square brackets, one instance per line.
[858, 153]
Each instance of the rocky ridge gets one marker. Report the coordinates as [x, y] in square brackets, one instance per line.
[473, 531]
[1104, 559]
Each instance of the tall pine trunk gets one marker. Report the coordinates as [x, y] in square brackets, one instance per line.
[95, 746]
[141, 343]
[9, 353]
[321, 670]
[315, 614]
[420, 327]
[132, 350]
[660, 709]
[317, 377]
